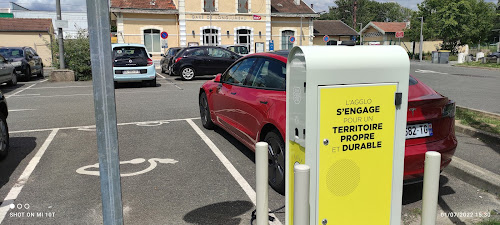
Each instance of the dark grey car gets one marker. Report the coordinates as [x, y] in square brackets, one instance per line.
[167, 60]
[25, 60]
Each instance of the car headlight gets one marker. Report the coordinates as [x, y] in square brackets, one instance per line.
[18, 63]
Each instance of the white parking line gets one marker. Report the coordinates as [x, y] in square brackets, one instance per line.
[140, 123]
[24, 89]
[20, 110]
[21, 181]
[229, 166]
[161, 75]
[62, 87]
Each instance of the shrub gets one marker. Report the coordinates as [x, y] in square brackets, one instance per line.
[76, 55]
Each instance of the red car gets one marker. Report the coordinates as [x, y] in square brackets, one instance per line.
[249, 102]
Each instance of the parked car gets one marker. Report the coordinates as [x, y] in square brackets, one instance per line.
[4, 129]
[7, 74]
[132, 63]
[25, 60]
[494, 55]
[249, 101]
[167, 59]
[238, 49]
[202, 60]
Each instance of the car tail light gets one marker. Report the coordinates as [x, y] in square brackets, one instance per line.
[178, 59]
[150, 62]
[449, 109]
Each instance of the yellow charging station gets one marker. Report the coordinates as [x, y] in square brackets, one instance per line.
[346, 119]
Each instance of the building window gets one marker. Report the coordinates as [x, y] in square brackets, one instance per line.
[285, 39]
[242, 6]
[152, 40]
[243, 37]
[209, 5]
[210, 37]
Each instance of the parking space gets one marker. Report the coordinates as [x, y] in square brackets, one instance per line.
[173, 170]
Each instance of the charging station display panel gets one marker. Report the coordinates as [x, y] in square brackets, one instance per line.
[355, 156]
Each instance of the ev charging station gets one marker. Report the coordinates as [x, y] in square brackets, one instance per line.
[346, 119]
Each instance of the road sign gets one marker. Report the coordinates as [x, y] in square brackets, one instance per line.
[61, 23]
[292, 39]
[326, 38]
[271, 45]
[164, 35]
[400, 34]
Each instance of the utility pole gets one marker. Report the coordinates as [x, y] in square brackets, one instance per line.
[60, 36]
[360, 36]
[421, 36]
[355, 8]
[105, 111]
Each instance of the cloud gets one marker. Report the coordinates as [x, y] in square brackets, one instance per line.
[50, 5]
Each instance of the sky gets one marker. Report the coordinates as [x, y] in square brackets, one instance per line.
[79, 5]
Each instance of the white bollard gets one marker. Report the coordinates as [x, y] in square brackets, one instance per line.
[261, 174]
[301, 194]
[431, 187]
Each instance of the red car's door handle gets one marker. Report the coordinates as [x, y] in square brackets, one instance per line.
[233, 93]
[263, 102]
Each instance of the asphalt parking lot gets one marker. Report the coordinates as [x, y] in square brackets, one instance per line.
[173, 170]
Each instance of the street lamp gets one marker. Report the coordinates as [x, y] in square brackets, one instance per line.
[421, 36]
[360, 36]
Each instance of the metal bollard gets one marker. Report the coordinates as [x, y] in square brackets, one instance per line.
[301, 194]
[261, 173]
[431, 187]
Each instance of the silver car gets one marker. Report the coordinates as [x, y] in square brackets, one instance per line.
[7, 74]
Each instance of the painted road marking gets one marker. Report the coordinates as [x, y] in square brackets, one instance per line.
[62, 87]
[24, 89]
[20, 110]
[229, 166]
[428, 71]
[21, 181]
[170, 81]
[152, 164]
[86, 127]
[161, 75]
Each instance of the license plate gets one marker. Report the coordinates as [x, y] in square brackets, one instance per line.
[131, 72]
[418, 130]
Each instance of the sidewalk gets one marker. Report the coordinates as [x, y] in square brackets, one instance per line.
[476, 160]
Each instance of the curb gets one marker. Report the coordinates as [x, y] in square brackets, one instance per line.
[483, 135]
[471, 173]
[474, 175]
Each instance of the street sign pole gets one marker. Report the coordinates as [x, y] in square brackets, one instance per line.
[105, 111]
[60, 37]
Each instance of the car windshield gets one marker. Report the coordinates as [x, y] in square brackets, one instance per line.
[239, 49]
[11, 52]
[129, 52]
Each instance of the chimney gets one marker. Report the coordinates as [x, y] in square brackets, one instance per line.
[312, 6]
[297, 2]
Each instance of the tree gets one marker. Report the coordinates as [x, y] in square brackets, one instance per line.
[456, 22]
[367, 10]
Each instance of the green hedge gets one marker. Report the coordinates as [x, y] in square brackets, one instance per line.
[76, 55]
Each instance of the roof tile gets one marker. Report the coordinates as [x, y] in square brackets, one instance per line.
[288, 6]
[143, 4]
[21, 24]
[390, 26]
[332, 27]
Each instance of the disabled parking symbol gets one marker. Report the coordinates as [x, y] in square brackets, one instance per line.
[153, 162]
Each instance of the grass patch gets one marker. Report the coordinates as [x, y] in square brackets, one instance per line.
[476, 120]
[479, 64]
[489, 222]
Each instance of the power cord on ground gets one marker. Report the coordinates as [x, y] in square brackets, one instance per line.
[254, 214]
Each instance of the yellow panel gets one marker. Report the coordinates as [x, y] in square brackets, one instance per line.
[297, 155]
[355, 167]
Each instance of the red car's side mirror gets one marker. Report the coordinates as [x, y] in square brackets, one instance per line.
[217, 78]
